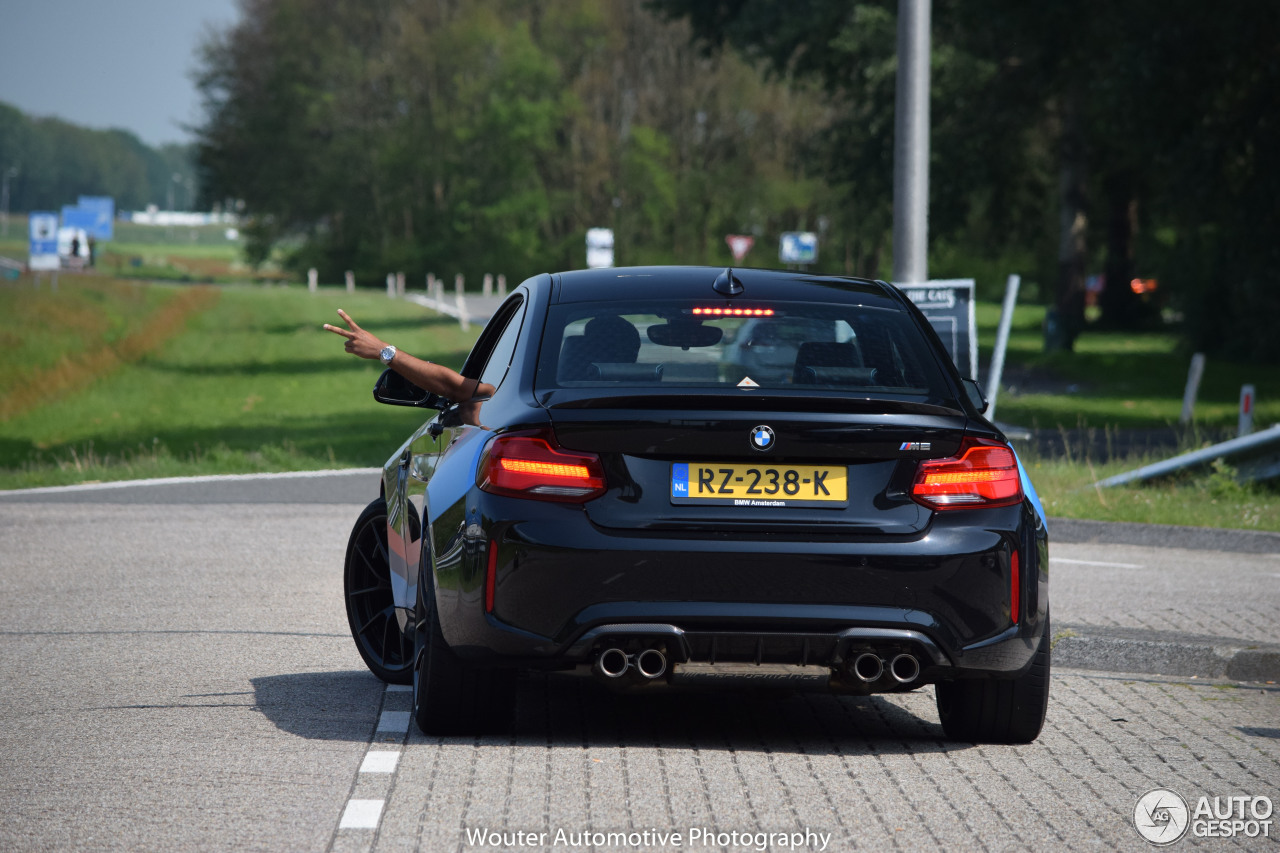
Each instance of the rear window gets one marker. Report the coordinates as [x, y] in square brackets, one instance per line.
[796, 346]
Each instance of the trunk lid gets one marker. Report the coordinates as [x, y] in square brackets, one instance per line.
[727, 483]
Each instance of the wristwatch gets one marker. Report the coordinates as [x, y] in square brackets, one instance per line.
[388, 353]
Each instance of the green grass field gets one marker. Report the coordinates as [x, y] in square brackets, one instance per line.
[252, 383]
[1127, 381]
[116, 379]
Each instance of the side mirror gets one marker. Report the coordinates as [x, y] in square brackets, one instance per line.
[974, 392]
[394, 390]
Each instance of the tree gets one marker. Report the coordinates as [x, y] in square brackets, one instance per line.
[1154, 115]
[489, 135]
[57, 162]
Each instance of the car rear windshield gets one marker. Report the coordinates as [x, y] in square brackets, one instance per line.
[797, 346]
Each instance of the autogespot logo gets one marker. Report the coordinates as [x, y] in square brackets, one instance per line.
[1161, 816]
[762, 438]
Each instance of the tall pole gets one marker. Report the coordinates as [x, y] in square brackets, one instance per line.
[10, 172]
[911, 144]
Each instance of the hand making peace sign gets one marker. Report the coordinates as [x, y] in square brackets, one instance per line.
[359, 342]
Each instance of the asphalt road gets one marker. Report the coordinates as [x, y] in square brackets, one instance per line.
[177, 675]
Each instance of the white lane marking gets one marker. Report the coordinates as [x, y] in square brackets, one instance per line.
[206, 478]
[1096, 563]
[361, 814]
[399, 688]
[380, 761]
[394, 721]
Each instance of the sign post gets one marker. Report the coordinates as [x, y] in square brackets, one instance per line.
[1245, 424]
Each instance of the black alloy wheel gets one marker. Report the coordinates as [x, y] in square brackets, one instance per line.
[451, 697]
[1010, 710]
[370, 606]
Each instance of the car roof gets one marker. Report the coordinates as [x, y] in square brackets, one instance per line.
[624, 283]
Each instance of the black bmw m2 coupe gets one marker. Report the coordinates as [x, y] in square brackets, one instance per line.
[685, 472]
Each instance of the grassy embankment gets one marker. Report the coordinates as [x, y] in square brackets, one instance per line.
[113, 380]
[116, 380]
[1115, 382]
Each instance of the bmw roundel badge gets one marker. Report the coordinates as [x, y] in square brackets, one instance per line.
[762, 438]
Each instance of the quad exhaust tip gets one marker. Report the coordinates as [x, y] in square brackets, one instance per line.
[904, 668]
[651, 663]
[868, 667]
[613, 663]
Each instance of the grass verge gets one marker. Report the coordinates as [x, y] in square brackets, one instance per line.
[1208, 498]
[251, 383]
[1119, 380]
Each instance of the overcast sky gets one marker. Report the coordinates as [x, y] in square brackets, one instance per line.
[108, 63]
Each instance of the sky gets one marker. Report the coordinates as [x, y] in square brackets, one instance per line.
[108, 63]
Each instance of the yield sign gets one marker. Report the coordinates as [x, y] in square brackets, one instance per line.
[739, 244]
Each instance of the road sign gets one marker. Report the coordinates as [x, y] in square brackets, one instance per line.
[948, 305]
[739, 244]
[42, 228]
[79, 218]
[798, 247]
[104, 214]
[599, 248]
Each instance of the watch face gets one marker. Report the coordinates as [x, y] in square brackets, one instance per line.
[387, 354]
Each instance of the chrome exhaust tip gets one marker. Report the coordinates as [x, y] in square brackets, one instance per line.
[612, 663]
[867, 667]
[904, 668]
[651, 663]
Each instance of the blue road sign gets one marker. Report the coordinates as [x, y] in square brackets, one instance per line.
[104, 215]
[798, 247]
[42, 229]
[79, 217]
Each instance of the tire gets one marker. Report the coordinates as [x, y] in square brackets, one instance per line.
[998, 711]
[371, 610]
[451, 697]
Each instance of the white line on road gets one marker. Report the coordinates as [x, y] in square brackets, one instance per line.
[206, 478]
[1096, 563]
[394, 721]
[361, 814]
[380, 761]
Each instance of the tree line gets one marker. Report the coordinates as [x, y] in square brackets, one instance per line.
[53, 162]
[1070, 137]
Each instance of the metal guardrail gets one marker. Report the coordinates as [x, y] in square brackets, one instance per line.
[1262, 450]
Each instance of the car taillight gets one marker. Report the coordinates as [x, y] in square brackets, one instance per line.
[983, 473]
[532, 465]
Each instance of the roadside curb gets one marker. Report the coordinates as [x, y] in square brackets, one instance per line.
[1079, 531]
[1164, 653]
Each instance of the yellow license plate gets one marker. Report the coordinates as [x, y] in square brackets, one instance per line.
[759, 485]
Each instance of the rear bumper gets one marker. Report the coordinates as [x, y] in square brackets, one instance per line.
[564, 589]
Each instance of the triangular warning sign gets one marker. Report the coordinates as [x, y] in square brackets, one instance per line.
[748, 382]
[739, 244]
